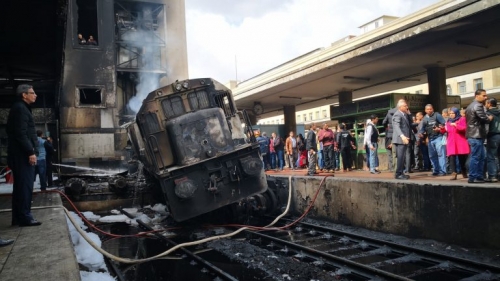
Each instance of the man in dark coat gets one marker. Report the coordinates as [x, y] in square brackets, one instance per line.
[312, 149]
[22, 152]
[401, 137]
[345, 143]
[476, 133]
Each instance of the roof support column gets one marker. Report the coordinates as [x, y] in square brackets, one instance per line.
[290, 123]
[436, 79]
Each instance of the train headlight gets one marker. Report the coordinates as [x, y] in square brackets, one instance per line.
[251, 166]
[185, 188]
[185, 84]
[178, 87]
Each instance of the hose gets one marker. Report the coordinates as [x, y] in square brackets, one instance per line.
[187, 244]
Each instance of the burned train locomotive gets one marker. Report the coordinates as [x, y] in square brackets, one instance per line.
[189, 136]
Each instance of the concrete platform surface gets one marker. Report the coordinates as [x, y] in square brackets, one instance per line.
[417, 177]
[425, 206]
[40, 252]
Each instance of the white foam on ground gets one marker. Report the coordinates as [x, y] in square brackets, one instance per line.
[91, 216]
[160, 208]
[95, 276]
[115, 218]
[86, 254]
[6, 188]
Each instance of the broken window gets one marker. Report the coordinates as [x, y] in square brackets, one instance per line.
[222, 101]
[173, 107]
[198, 100]
[89, 96]
[151, 123]
[86, 22]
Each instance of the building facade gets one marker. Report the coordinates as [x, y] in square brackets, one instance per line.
[138, 46]
[463, 86]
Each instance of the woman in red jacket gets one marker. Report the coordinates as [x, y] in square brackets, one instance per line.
[456, 144]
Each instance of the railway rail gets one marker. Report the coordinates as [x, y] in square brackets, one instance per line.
[342, 255]
[357, 257]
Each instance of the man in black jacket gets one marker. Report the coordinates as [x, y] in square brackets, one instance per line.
[476, 133]
[312, 149]
[345, 144]
[22, 152]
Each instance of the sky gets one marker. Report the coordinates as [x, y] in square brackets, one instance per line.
[239, 39]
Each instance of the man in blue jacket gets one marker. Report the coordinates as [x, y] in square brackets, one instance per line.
[41, 165]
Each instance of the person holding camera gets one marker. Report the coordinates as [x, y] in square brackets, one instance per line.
[433, 125]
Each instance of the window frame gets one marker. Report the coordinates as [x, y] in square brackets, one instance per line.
[74, 27]
[459, 85]
[475, 84]
[102, 93]
[170, 99]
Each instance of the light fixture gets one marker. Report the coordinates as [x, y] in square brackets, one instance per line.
[290, 97]
[472, 44]
[357, 78]
[408, 80]
[185, 84]
[178, 87]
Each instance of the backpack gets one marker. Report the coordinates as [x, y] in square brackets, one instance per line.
[264, 145]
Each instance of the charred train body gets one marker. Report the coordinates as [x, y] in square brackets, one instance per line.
[189, 135]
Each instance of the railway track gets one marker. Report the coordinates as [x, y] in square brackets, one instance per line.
[354, 257]
[324, 253]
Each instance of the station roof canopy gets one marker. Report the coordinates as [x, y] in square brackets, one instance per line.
[461, 36]
[31, 32]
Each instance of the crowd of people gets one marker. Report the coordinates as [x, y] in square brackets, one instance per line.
[321, 149]
[441, 143]
[455, 142]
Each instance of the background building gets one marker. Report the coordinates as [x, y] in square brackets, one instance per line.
[91, 89]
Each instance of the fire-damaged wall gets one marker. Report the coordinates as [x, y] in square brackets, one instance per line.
[115, 53]
[445, 212]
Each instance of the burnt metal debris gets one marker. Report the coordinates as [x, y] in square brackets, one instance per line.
[199, 149]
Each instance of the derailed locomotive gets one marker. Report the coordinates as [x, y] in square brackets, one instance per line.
[190, 136]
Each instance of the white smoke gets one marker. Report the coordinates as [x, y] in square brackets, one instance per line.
[147, 82]
[149, 57]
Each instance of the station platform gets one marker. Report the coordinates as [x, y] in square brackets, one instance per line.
[425, 206]
[40, 252]
[418, 176]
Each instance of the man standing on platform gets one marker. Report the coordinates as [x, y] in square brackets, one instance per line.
[401, 138]
[345, 143]
[264, 142]
[311, 147]
[433, 128]
[423, 163]
[22, 152]
[327, 137]
[371, 137]
[291, 149]
[476, 133]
